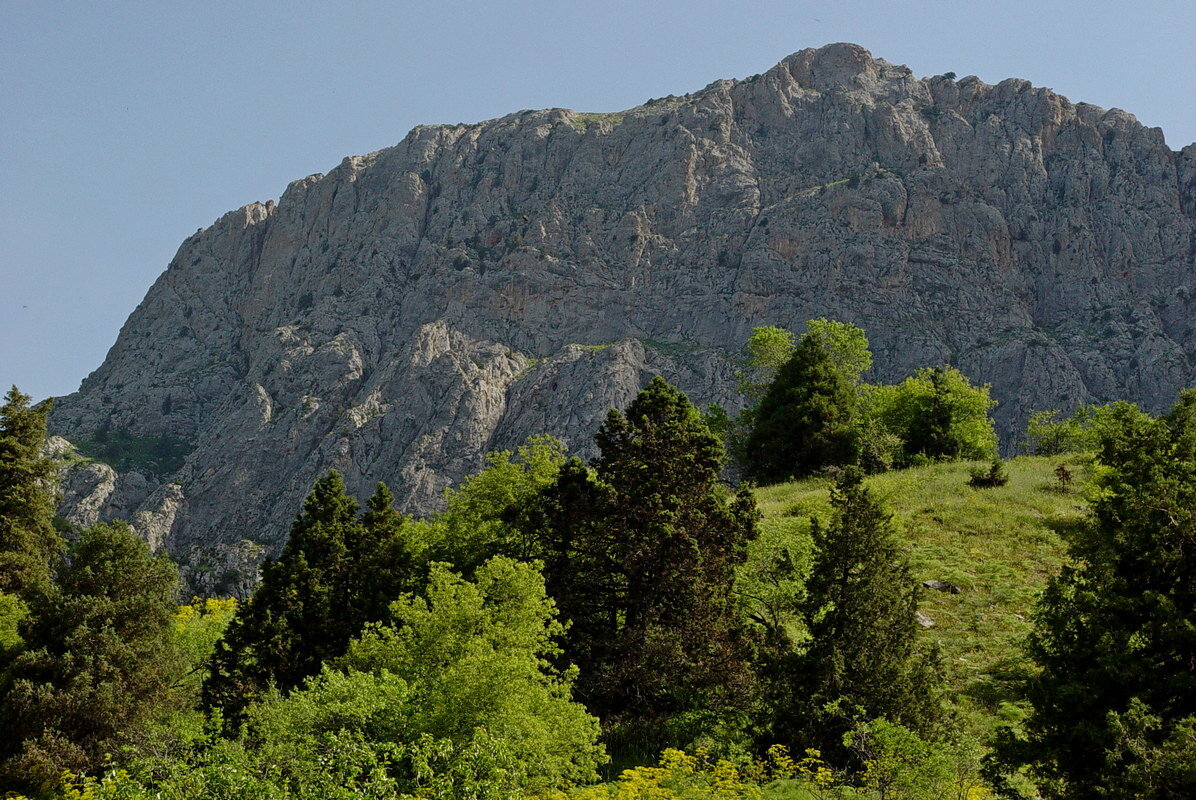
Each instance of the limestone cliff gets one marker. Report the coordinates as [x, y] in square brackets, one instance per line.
[476, 284]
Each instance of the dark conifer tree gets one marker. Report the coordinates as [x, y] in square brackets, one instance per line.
[29, 544]
[95, 667]
[639, 555]
[1114, 705]
[335, 574]
[861, 661]
[383, 565]
[806, 420]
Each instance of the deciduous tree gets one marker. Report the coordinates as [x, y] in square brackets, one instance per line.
[846, 344]
[938, 415]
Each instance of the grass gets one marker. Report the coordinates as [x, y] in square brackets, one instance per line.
[1000, 545]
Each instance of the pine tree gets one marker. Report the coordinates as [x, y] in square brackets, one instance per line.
[94, 669]
[335, 574]
[1115, 632]
[862, 661]
[639, 555]
[28, 542]
[806, 420]
[382, 567]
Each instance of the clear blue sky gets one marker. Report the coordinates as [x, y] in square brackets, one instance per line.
[126, 126]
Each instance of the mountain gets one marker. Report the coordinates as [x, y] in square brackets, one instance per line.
[476, 284]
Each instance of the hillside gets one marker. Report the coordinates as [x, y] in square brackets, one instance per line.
[997, 545]
[477, 284]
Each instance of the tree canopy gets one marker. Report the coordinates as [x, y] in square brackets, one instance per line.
[95, 668]
[846, 344]
[336, 573]
[938, 415]
[766, 351]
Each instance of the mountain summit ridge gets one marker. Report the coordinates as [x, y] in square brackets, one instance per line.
[476, 284]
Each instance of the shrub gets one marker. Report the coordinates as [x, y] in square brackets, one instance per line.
[899, 764]
[995, 475]
[470, 662]
[1049, 435]
[880, 449]
[1063, 477]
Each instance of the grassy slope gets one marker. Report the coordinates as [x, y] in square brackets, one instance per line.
[999, 545]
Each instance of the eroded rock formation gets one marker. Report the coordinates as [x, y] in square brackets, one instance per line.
[476, 284]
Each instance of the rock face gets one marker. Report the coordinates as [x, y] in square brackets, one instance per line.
[476, 284]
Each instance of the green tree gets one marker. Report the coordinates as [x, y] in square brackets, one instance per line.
[475, 656]
[768, 348]
[1148, 759]
[381, 564]
[861, 660]
[473, 528]
[196, 628]
[92, 672]
[29, 544]
[846, 344]
[182, 725]
[453, 697]
[1115, 632]
[806, 421]
[12, 612]
[335, 574]
[938, 415]
[640, 555]
[770, 585]
[898, 764]
[1048, 433]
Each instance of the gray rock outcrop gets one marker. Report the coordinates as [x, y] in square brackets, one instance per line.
[476, 284]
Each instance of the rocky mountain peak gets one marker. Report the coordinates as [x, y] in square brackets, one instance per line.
[477, 284]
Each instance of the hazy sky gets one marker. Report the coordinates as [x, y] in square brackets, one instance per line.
[124, 127]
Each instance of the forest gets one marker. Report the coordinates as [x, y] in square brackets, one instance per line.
[842, 591]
